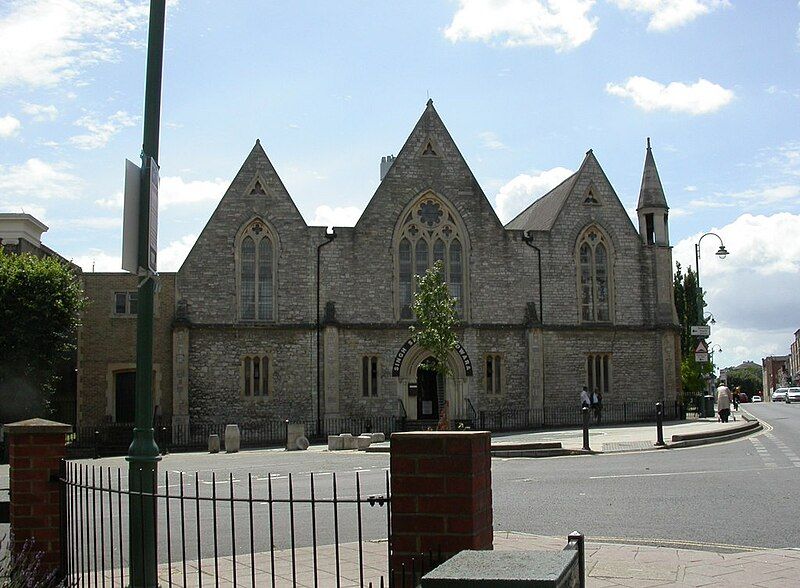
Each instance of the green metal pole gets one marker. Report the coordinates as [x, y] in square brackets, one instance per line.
[143, 454]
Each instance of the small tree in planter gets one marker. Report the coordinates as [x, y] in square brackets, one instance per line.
[435, 311]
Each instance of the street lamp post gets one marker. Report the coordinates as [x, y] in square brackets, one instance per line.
[722, 253]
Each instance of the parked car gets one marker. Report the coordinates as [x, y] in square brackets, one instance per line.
[793, 394]
[779, 394]
[743, 398]
[756, 398]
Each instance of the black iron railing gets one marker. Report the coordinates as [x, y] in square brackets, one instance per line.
[252, 531]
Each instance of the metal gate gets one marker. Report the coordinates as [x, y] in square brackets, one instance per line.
[235, 530]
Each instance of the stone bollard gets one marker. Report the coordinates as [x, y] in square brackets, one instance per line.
[293, 432]
[335, 443]
[348, 441]
[302, 443]
[378, 437]
[232, 438]
[213, 443]
[35, 450]
[363, 441]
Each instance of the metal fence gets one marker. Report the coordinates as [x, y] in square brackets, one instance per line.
[269, 530]
[571, 416]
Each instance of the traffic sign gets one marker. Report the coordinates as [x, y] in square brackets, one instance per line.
[701, 330]
[702, 347]
[701, 357]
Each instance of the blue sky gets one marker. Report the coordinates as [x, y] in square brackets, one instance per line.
[524, 86]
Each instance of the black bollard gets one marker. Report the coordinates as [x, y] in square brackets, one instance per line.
[660, 424]
[96, 444]
[585, 411]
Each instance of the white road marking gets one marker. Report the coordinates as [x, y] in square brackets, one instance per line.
[698, 473]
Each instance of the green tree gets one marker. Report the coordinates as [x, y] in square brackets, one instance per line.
[689, 306]
[747, 377]
[435, 311]
[40, 304]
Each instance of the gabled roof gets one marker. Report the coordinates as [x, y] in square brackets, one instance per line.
[651, 194]
[541, 215]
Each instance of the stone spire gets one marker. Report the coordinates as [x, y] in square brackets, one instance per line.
[651, 194]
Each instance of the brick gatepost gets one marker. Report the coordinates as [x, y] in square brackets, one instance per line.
[35, 450]
[441, 499]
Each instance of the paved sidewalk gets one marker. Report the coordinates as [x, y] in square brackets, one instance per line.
[607, 565]
[640, 566]
[614, 438]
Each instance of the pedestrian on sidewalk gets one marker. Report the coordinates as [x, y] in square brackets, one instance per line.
[736, 392]
[586, 401]
[597, 404]
[723, 402]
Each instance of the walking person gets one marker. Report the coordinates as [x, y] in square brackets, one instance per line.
[586, 401]
[597, 404]
[723, 402]
[736, 398]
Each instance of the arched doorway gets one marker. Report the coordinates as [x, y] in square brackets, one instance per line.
[427, 390]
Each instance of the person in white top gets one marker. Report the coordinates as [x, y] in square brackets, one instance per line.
[723, 402]
[585, 400]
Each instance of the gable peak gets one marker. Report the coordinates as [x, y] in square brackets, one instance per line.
[651, 194]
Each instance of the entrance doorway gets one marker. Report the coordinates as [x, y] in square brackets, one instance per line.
[124, 396]
[427, 397]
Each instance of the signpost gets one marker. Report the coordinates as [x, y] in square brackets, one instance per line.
[701, 331]
[701, 352]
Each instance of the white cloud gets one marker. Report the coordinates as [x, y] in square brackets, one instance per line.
[38, 179]
[702, 97]
[100, 133]
[175, 191]
[94, 223]
[563, 24]
[522, 190]
[491, 140]
[9, 126]
[99, 261]
[753, 291]
[781, 194]
[171, 257]
[340, 216]
[115, 202]
[44, 42]
[690, 189]
[40, 212]
[669, 14]
[40, 112]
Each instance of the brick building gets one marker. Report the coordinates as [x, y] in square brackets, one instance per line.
[776, 373]
[236, 336]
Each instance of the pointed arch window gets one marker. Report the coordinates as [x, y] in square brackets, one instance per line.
[430, 232]
[593, 277]
[256, 273]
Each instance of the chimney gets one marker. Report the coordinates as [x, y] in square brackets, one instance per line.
[386, 163]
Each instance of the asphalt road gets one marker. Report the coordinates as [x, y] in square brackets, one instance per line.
[738, 493]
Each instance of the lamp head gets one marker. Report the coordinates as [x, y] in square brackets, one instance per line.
[722, 253]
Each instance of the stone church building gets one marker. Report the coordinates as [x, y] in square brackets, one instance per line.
[567, 294]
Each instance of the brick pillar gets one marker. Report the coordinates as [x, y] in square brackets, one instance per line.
[441, 486]
[35, 450]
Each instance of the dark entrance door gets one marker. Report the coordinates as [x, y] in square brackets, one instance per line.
[427, 399]
[124, 391]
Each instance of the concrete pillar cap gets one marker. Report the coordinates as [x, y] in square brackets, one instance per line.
[36, 425]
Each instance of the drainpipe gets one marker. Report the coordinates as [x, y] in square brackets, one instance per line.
[328, 238]
[528, 239]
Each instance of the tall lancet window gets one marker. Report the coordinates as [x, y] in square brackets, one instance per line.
[594, 276]
[256, 272]
[430, 231]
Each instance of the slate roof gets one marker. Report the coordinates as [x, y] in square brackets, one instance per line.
[541, 215]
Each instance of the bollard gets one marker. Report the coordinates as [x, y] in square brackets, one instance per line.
[96, 444]
[164, 441]
[660, 424]
[585, 411]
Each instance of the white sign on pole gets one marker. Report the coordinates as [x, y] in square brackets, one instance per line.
[701, 357]
[702, 347]
[701, 330]
[130, 218]
[152, 245]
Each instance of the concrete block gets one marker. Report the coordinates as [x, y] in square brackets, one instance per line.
[213, 443]
[363, 441]
[378, 437]
[293, 432]
[539, 569]
[233, 438]
[302, 443]
[335, 443]
[348, 441]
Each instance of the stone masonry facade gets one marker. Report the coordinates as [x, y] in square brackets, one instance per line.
[520, 348]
